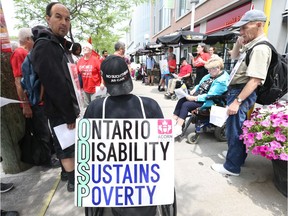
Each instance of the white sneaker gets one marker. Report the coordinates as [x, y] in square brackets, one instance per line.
[220, 169]
[174, 122]
[177, 130]
[224, 153]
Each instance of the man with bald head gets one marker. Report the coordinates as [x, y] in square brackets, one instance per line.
[49, 58]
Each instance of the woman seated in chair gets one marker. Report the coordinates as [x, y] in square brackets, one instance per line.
[214, 83]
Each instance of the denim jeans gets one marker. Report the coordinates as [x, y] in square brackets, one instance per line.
[183, 107]
[167, 77]
[236, 154]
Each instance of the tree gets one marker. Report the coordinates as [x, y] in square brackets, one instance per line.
[101, 19]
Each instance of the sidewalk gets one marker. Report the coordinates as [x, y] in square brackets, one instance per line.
[200, 190]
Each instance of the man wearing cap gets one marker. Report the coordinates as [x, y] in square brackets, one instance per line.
[122, 104]
[185, 71]
[243, 83]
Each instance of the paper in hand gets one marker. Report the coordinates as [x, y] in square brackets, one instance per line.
[218, 115]
[100, 92]
[65, 136]
[180, 93]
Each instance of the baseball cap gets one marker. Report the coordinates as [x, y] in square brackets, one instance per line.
[250, 16]
[116, 75]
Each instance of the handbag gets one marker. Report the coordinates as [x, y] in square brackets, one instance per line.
[33, 151]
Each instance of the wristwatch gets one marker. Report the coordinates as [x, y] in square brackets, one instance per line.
[239, 100]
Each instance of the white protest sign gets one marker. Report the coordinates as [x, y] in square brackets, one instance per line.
[164, 67]
[124, 162]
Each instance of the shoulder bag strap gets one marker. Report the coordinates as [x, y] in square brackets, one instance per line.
[142, 107]
[103, 107]
[141, 104]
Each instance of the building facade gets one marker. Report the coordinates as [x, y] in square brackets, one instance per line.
[210, 16]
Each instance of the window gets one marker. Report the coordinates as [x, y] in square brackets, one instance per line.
[162, 16]
[184, 6]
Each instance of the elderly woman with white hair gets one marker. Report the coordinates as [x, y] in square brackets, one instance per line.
[214, 83]
[89, 68]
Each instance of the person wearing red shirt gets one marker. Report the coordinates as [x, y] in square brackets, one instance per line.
[89, 68]
[185, 71]
[35, 114]
[199, 61]
[16, 60]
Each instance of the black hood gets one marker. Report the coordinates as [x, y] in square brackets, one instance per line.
[43, 31]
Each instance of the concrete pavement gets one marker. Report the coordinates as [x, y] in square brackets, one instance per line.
[200, 190]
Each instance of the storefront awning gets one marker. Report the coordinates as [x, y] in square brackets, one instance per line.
[223, 36]
[183, 37]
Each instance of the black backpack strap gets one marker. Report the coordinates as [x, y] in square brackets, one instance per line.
[274, 53]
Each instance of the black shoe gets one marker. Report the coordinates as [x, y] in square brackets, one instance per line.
[70, 187]
[162, 89]
[159, 87]
[6, 187]
[9, 213]
[64, 176]
[55, 163]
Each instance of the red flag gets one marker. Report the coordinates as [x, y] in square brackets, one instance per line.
[95, 54]
[89, 40]
[5, 41]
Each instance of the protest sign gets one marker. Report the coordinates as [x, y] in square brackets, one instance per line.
[124, 162]
[164, 67]
[76, 85]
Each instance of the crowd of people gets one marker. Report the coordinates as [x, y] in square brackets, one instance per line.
[58, 104]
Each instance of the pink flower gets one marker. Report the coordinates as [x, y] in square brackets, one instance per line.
[265, 123]
[266, 132]
[283, 156]
[274, 145]
[280, 137]
[259, 135]
[248, 123]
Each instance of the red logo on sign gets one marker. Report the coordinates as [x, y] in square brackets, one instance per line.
[165, 126]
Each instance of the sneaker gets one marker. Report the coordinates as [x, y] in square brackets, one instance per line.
[177, 130]
[220, 169]
[167, 96]
[9, 213]
[64, 176]
[162, 89]
[70, 187]
[6, 187]
[151, 84]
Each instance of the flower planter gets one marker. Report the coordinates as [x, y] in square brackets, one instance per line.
[280, 175]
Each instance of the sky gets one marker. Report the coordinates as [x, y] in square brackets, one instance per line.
[9, 13]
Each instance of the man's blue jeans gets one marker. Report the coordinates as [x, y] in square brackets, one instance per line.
[236, 154]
